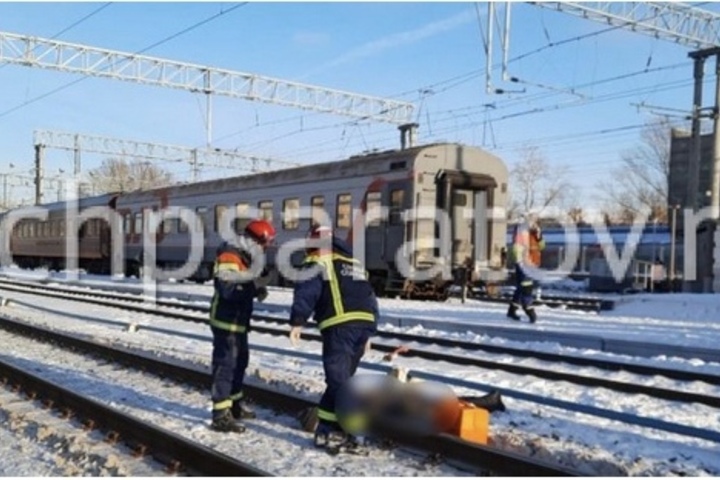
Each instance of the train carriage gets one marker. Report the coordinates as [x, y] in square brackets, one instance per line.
[42, 243]
[468, 183]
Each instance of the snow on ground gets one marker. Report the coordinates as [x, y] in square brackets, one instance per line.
[599, 446]
[672, 319]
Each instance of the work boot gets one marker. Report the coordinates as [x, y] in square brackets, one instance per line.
[223, 421]
[512, 312]
[328, 435]
[530, 311]
[492, 402]
[240, 411]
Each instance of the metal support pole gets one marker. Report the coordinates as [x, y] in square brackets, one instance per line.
[488, 54]
[672, 247]
[5, 195]
[208, 120]
[694, 160]
[194, 165]
[715, 176]
[39, 149]
[76, 154]
[506, 43]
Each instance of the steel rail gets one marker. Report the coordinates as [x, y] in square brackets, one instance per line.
[625, 387]
[173, 450]
[479, 457]
[557, 301]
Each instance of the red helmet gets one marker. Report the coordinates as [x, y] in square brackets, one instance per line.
[261, 231]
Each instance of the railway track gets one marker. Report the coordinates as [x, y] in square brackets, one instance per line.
[608, 345]
[475, 457]
[588, 304]
[595, 381]
[177, 453]
[134, 304]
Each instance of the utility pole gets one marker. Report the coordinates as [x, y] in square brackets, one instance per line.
[5, 192]
[39, 149]
[76, 154]
[699, 57]
[673, 222]
[694, 160]
[715, 172]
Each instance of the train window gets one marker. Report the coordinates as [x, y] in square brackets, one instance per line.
[372, 211]
[138, 223]
[182, 226]
[168, 225]
[343, 210]
[397, 198]
[291, 214]
[242, 217]
[62, 228]
[53, 228]
[266, 210]
[317, 209]
[201, 213]
[459, 200]
[219, 210]
[397, 165]
[126, 223]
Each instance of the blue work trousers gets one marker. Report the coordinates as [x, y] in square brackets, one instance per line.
[229, 360]
[343, 347]
[523, 295]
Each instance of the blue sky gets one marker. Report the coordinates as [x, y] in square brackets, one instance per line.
[394, 50]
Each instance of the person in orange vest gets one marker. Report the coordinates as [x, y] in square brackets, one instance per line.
[230, 313]
[527, 245]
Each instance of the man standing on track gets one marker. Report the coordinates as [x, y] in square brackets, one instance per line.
[345, 308]
[230, 312]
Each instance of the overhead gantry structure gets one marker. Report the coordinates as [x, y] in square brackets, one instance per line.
[74, 58]
[195, 157]
[675, 22]
[98, 62]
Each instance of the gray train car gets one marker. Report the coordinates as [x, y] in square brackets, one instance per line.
[466, 182]
[42, 243]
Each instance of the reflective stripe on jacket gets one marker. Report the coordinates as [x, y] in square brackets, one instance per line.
[232, 302]
[338, 293]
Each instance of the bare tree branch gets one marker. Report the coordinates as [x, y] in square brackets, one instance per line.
[536, 187]
[119, 175]
[641, 182]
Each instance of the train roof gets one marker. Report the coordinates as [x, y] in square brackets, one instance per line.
[367, 164]
[84, 202]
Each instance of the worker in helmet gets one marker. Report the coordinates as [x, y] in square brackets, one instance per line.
[232, 306]
[527, 246]
[345, 309]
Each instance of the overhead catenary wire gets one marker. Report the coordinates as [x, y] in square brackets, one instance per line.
[143, 50]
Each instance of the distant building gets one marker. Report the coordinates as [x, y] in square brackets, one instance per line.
[707, 260]
[680, 145]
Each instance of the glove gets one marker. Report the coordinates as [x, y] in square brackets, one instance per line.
[264, 279]
[261, 294]
[295, 336]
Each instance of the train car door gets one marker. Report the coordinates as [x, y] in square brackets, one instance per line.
[374, 234]
[395, 226]
[463, 208]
